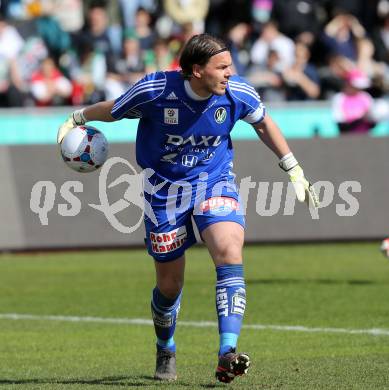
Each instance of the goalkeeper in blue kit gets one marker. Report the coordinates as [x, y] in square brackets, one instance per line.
[185, 120]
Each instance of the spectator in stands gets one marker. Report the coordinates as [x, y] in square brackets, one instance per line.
[238, 40]
[270, 65]
[114, 21]
[88, 72]
[267, 79]
[96, 32]
[133, 60]
[39, 19]
[129, 69]
[341, 35]
[351, 106]
[49, 87]
[301, 79]
[376, 71]
[130, 8]
[143, 29]
[272, 39]
[190, 12]
[33, 52]
[364, 10]
[12, 87]
[11, 42]
[316, 48]
[332, 74]
[56, 40]
[160, 57]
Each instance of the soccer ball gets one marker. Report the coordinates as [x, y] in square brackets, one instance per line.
[385, 247]
[84, 149]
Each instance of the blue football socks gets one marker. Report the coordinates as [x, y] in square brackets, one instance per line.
[165, 312]
[230, 304]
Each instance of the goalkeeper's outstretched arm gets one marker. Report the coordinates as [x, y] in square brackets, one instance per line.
[99, 112]
[96, 112]
[271, 135]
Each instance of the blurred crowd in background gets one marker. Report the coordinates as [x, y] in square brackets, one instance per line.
[73, 52]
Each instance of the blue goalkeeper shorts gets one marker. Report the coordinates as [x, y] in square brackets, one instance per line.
[169, 224]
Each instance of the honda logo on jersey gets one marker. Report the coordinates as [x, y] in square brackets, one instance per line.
[171, 116]
[189, 160]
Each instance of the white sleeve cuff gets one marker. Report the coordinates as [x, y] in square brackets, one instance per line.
[256, 116]
[288, 162]
[79, 117]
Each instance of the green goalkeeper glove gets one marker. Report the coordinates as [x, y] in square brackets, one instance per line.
[304, 189]
[76, 118]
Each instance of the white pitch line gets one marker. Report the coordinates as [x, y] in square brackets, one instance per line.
[194, 324]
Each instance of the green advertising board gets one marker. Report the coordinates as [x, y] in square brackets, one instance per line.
[39, 126]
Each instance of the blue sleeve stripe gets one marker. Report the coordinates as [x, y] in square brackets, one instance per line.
[241, 88]
[144, 87]
[243, 85]
[139, 86]
[138, 89]
[117, 106]
[253, 94]
[255, 97]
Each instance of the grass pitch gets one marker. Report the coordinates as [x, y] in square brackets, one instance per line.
[338, 293]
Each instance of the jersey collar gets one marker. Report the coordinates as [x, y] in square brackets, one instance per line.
[192, 94]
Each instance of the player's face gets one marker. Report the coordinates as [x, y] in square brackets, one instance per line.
[215, 74]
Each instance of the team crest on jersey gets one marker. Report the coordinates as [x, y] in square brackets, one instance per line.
[171, 116]
[220, 115]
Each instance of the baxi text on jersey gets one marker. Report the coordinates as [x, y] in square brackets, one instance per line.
[204, 140]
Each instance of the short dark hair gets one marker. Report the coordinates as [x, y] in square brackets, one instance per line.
[198, 50]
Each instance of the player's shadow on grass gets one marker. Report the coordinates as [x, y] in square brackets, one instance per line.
[120, 381]
[308, 281]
